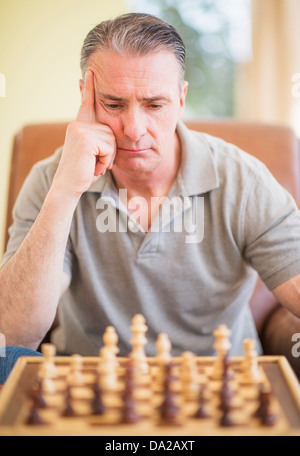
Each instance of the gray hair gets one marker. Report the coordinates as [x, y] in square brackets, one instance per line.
[134, 34]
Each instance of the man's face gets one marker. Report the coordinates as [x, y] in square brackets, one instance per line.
[141, 99]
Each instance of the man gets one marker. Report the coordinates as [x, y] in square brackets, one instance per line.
[104, 228]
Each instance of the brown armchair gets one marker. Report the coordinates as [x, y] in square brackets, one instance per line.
[276, 146]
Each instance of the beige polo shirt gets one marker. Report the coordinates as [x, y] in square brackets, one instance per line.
[225, 221]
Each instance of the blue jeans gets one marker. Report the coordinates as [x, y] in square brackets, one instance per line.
[9, 357]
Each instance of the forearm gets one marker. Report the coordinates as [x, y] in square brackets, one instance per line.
[279, 336]
[31, 281]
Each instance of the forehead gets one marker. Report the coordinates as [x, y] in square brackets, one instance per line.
[125, 72]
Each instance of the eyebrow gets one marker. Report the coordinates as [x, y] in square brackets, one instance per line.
[145, 99]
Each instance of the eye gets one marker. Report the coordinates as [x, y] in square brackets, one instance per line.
[113, 106]
[155, 106]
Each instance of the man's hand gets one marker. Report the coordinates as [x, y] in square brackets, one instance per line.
[89, 148]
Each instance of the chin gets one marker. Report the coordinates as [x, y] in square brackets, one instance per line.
[137, 165]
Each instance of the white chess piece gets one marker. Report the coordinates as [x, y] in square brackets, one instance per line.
[250, 364]
[110, 339]
[138, 342]
[48, 372]
[75, 377]
[107, 369]
[189, 375]
[163, 350]
[222, 346]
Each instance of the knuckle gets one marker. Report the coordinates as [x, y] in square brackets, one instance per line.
[72, 127]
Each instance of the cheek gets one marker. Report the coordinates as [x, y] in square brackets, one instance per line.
[104, 118]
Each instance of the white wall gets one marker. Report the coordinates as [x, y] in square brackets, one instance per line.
[40, 42]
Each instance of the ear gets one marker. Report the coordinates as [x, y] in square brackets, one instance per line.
[81, 86]
[182, 99]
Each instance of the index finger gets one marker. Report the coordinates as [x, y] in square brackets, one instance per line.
[86, 111]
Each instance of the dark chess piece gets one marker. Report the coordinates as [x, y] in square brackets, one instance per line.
[34, 417]
[68, 410]
[37, 396]
[169, 410]
[97, 405]
[130, 414]
[227, 373]
[225, 420]
[201, 412]
[263, 411]
[225, 396]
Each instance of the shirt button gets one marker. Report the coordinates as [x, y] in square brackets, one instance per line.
[131, 224]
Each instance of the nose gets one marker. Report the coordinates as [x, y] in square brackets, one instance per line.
[134, 124]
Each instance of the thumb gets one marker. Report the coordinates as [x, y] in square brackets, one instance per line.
[86, 111]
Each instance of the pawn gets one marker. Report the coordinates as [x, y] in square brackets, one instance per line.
[49, 352]
[225, 419]
[34, 417]
[110, 340]
[138, 341]
[201, 412]
[169, 410]
[97, 404]
[222, 346]
[189, 375]
[68, 410]
[130, 414]
[75, 377]
[263, 411]
[107, 369]
[48, 372]
[163, 348]
[37, 395]
[250, 364]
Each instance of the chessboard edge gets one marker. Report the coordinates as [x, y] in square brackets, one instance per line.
[11, 383]
[290, 378]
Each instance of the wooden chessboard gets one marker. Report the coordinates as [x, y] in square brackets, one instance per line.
[277, 375]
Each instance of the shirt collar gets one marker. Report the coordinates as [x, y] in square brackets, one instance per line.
[198, 173]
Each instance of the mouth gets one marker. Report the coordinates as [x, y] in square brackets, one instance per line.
[133, 151]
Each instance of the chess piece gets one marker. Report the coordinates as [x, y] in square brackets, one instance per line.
[222, 346]
[263, 411]
[163, 350]
[226, 394]
[49, 352]
[130, 413]
[225, 419]
[189, 375]
[75, 377]
[107, 369]
[34, 417]
[110, 340]
[250, 364]
[48, 372]
[97, 404]
[68, 410]
[201, 412]
[37, 395]
[168, 409]
[138, 342]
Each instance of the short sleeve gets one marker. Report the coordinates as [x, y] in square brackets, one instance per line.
[272, 230]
